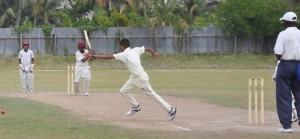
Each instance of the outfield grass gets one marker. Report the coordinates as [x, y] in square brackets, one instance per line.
[239, 61]
[28, 119]
[221, 80]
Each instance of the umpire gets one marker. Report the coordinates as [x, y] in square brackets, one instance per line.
[287, 50]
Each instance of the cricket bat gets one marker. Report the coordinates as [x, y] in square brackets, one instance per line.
[87, 40]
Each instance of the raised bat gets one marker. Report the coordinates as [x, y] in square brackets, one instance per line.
[87, 40]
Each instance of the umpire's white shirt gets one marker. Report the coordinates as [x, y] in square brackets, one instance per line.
[26, 57]
[79, 57]
[131, 57]
[288, 44]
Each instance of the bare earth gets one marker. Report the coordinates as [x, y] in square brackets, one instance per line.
[192, 116]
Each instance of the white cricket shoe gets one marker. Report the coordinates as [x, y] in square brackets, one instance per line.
[282, 130]
[23, 90]
[86, 94]
[172, 114]
[31, 91]
[133, 110]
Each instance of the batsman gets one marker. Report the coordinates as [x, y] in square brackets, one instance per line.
[26, 64]
[82, 70]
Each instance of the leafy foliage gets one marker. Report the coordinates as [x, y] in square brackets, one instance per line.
[27, 25]
[164, 13]
[119, 20]
[47, 29]
[44, 12]
[255, 18]
[81, 7]
[102, 20]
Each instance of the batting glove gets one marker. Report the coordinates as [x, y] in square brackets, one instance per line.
[31, 67]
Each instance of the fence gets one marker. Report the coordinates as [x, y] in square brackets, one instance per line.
[63, 41]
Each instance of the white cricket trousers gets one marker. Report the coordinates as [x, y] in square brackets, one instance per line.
[83, 72]
[142, 81]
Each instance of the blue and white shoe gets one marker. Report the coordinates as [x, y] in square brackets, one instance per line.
[133, 110]
[172, 114]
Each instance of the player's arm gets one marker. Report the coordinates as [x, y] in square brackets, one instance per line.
[32, 61]
[153, 53]
[20, 64]
[279, 46]
[278, 56]
[85, 59]
[90, 55]
[103, 56]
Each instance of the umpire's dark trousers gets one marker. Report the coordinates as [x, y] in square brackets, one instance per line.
[287, 83]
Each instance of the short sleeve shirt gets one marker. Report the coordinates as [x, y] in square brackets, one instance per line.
[26, 57]
[132, 60]
[288, 44]
[79, 57]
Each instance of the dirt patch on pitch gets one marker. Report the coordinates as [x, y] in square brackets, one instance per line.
[192, 116]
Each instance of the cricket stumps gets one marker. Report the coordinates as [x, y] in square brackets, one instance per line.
[256, 87]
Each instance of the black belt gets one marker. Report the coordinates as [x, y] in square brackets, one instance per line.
[289, 61]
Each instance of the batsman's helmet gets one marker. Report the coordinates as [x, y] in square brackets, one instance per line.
[81, 44]
[25, 43]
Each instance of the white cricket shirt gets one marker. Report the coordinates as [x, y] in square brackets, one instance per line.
[288, 44]
[26, 57]
[132, 60]
[79, 57]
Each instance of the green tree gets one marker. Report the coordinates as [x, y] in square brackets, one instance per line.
[44, 11]
[7, 12]
[137, 12]
[255, 18]
[191, 9]
[76, 16]
[164, 13]
[240, 17]
[8, 18]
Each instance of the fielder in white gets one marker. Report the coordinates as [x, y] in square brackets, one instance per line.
[26, 63]
[82, 70]
[138, 77]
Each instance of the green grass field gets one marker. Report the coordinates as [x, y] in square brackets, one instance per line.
[221, 80]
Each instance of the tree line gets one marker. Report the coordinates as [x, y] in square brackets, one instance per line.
[248, 18]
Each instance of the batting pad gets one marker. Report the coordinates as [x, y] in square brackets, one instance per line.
[23, 80]
[30, 79]
[76, 87]
[86, 86]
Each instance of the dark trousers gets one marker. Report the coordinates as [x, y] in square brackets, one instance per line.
[287, 83]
